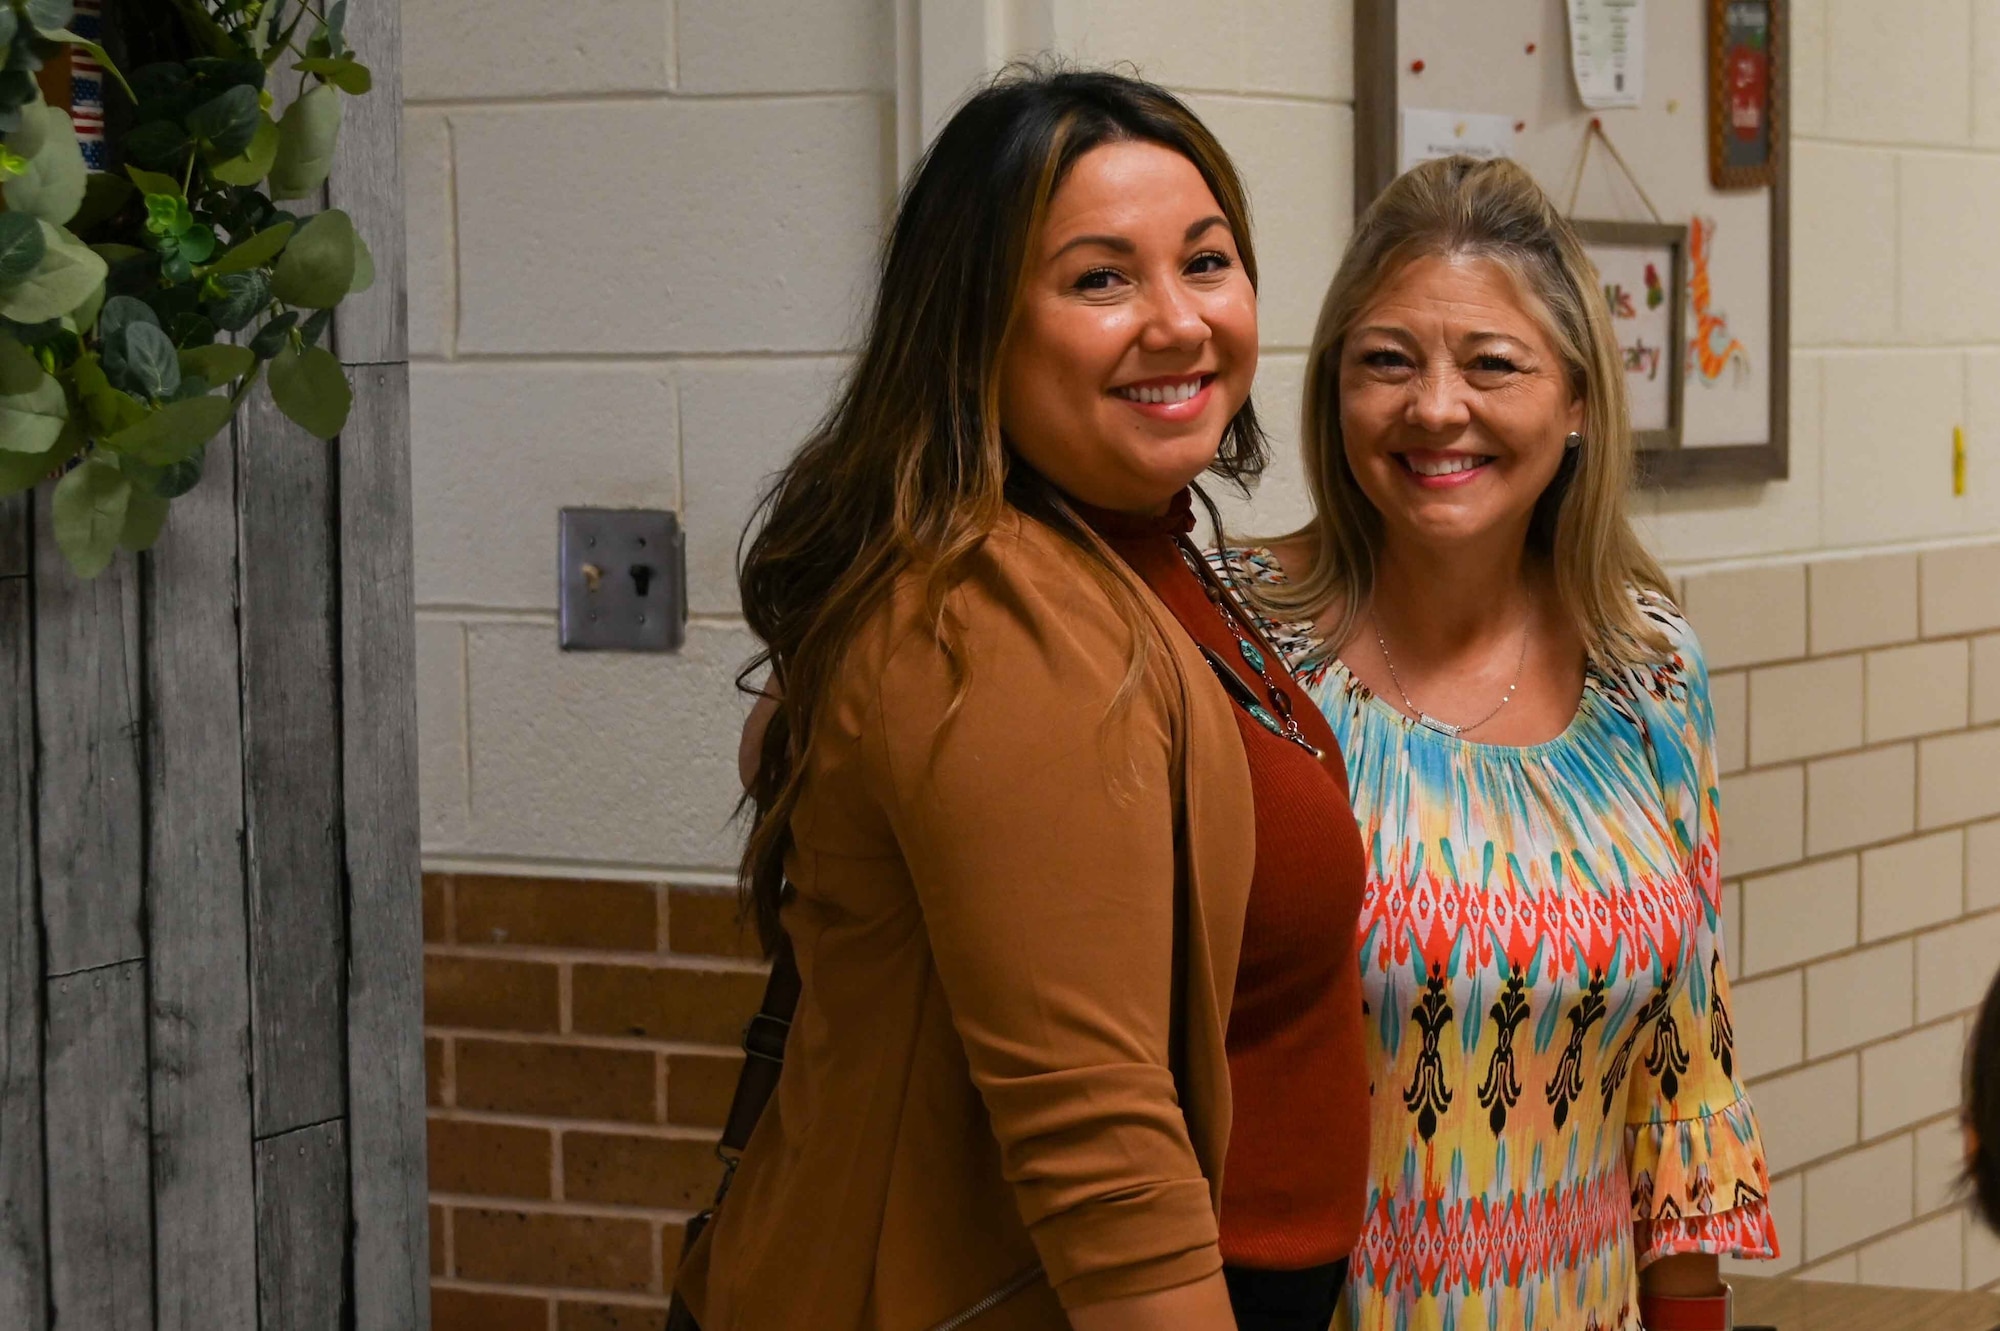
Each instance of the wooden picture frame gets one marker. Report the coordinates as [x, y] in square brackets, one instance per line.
[1745, 42]
[1377, 68]
[1644, 269]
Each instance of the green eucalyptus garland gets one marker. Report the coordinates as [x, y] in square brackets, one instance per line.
[118, 290]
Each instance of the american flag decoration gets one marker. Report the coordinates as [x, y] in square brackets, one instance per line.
[86, 97]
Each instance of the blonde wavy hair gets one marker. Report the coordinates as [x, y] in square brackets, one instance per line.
[1459, 207]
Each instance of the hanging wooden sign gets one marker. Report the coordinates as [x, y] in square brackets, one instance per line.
[1743, 101]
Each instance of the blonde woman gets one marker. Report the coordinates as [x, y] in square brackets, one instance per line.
[1560, 1136]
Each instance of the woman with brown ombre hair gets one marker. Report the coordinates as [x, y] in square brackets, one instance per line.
[1062, 856]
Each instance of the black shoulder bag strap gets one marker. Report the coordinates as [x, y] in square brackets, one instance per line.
[763, 1058]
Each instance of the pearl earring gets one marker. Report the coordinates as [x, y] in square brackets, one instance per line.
[1573, 440]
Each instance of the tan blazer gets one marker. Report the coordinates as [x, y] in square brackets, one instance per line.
[977, 1119]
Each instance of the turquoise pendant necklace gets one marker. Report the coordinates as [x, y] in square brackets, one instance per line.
[1276, 718]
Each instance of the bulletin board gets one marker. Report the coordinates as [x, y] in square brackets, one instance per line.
[1502, 69]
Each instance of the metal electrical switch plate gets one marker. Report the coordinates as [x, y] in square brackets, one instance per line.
[623, 576]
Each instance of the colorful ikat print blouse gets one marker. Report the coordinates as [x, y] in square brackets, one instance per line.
[1554, 1096]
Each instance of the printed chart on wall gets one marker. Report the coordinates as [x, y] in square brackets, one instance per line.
[1508, 77]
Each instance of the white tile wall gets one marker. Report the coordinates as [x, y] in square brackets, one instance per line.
[1912, 884]
[1886, 80]
[497, 449]
[1795, 1112]
[1857, 1196]
[727, 46]
[1911, 1078]
[522, 50]
[1924, 1256]
[1858, 998]
[1844, 221]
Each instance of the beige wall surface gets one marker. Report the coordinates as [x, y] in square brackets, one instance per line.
[641, 234]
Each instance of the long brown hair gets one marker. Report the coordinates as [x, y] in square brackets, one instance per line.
[909, 471]
[1457, 206]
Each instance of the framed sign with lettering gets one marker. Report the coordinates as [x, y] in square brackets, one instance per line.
[1743, 105]
[1642, 265]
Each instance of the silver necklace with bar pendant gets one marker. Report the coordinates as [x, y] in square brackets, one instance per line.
[1430, 722]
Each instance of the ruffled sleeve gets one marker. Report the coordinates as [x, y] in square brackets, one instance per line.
[1699, 1179]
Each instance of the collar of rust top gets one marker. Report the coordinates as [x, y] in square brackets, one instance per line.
[1178, 520]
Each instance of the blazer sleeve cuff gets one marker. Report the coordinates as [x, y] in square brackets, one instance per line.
[1139, 1242]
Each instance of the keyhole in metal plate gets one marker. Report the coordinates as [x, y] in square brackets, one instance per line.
[642, 578]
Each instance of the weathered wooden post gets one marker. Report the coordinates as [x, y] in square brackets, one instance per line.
[211, 1068]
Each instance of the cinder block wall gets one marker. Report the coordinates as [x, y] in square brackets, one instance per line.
[641, 234]
[1856, 708]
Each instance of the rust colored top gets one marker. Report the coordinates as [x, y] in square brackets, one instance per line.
[1294, 1182]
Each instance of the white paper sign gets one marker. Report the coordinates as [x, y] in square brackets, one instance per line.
[1607, 51]
[1433, 134]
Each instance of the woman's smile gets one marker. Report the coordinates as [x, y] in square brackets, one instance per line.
[1170, 398]
[1434, 469]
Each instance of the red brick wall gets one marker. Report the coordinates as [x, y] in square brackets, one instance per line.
[580, 1039]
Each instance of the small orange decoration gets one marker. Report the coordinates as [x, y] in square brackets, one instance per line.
[1416, 66]
[1531, 48]
[1520, 125]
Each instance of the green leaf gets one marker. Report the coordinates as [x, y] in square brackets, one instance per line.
[226, 123]
[31, 422]
[218, 362]
[254, 163]
[197, 243]
[310, 387]
[50, 16]
[21, 246]
[52, 187]
[103, 195]
[10, 23]
[243, 297]
[168, 482]
[191, 385]
[228, 73]
[174, 432]
[25, 471]
[27, 139]
[20, 372]
[345, 73]
[168, 215]
[65, 278]
[310, 330]
[145, 514]
[157, 143]
[108, 409]
[255, 252]
[364, 265]
[317, 268]
[272, 337]
[153, 367]
[152, 182]
[122, 311]
[89, 512]
[85, 315]
[306, 138]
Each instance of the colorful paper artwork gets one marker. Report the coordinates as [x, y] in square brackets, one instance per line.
[1713, 348]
